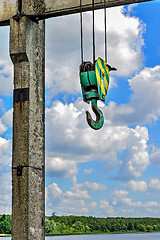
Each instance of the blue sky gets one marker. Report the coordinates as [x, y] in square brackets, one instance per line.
[114, 171]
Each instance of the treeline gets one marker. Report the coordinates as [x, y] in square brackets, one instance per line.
[80, 224]
[5, 224]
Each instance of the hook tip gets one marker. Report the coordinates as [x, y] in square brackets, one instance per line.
[96, 125]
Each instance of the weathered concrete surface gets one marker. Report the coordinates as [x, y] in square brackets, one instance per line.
[27, 50]
[8, 8]
[43, 9]
[63, 7]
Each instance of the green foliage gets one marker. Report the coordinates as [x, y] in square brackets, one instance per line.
[141, 228]
[149, 228]
[5, 224]
[83, 225]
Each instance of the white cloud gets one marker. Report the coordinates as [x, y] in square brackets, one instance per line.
[151, 204]
[136, 159]
[72, 207]
[72, 140]
[79, 194]
[58, 167]
[125, 40]
[143, 107]
[54, 190]
[150, 210]
[154, 184]
[93, 204]
[95, 186]
[69, 202]
[5, 193]
[3, 128]
[7, 118]
[155, 156]
[4, 46]
[63, 56]
[107, 208]
[6, 77]
[88, 171]
[92, 186]
[127, 211]
[117, 196]
[137, 186]
[5, 149]
[145, 85]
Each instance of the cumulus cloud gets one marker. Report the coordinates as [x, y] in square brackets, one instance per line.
[137, 186]
[77, 194]
[151, 210]
[145, 85]
[6, 66]
[73, 206]
[125, 41]
[69, 202]
[117, 196]
[136, 159]
[3, 128]
[5, 146]
[106, 207]
[57, 167]
[71, 139]
[7, 118]
[120, 198]
[143, 107]
[93, 204]
[92, 186]
[151, 204]
[54, 190]
[155, 156]
[4, 47]
[88, 171]
[154, 184]
[6, 77]
[5, 193]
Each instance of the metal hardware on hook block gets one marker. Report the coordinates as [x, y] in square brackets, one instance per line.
[19, 169]
[21, 95]
[98, 123]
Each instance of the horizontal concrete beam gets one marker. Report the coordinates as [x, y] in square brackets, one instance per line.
[52, 8]
[8, 8]
[42, 9]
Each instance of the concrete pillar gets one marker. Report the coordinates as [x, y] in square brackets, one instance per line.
[27, 51]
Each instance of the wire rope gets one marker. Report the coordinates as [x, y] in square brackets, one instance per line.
[93, 19]
[93, 32]
[81, 22]
[105, 26]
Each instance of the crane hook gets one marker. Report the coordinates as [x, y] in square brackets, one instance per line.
[98, 123]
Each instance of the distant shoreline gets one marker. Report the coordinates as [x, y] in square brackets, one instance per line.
[96, 233]
[82, 225]
[5, 235]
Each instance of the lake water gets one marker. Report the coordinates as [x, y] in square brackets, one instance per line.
[136, 236]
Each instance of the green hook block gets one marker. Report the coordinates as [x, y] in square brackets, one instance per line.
[89, 85]
[94, 81]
